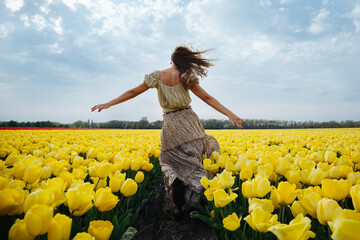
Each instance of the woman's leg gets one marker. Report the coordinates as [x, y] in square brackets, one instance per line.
[179, 194]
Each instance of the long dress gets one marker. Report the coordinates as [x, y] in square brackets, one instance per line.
[183, 139]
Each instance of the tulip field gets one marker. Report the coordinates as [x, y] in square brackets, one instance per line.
[264, 184]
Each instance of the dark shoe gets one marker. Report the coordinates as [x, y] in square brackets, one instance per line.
[178, 213]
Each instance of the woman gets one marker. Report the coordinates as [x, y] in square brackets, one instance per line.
[183, 140]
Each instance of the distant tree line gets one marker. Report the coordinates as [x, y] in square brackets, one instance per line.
[208, 124]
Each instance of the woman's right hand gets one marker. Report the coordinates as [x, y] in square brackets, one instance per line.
[235, 120]
[100, 107]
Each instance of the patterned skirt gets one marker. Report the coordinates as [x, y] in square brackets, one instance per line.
[183, 142]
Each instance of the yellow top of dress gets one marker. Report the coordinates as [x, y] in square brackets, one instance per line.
[170, 97]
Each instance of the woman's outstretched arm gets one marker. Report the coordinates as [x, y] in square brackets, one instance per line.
[122, 98]
[210, 100]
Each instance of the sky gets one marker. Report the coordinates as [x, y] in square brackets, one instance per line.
[280, 60]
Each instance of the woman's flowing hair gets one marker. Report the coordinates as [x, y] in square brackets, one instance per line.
[191, 64]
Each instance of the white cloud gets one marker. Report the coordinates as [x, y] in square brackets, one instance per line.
[55, 48]
[286, 1]
[4, 31]
[199, 20]
[126, 18]
[56, 26]
[14, 5]
[265, 3]
[355, 15]
[318, 24]
[39, 22]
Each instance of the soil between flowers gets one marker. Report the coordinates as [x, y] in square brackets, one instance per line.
[156, 221]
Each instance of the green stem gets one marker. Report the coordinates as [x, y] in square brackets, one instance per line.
[97, 184]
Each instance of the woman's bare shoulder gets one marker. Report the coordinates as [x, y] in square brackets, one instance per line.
[169, 76]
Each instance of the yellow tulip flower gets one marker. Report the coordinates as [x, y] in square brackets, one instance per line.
[316, 176]
[264, 204]
[297, 229]
[205, 182]
[330, 156]
[139, 177]
[60, 227]
[285, 194]
[84, 236]
[296, 208]
[18, 231]
[257, 187]
[116, 181]
[78, 201]
[355, 197]
[231, 222]
[325, 210]
[336, 189]
[104, 169]
[246, 173]
[345, 224]
[260, 220]
[129, 187]
[32, 173]
[226, 179]
[10, 199]
[105, 200]
[39, 196]
[309, 203]
[38, 219]
[221, 198]
[101, 230]
[209, 166]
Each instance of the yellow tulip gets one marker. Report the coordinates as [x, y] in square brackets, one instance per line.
[105, 200]
[208, 166]
[139, 177]
[297, 229]
[68, 178]
[260, 220]
[330, 156]
[257, 187]
[293, 176]
[101, 230]
[205, 182]
[355, 197]
[10, 199]
[84, 236]
[316, 176]
[221, 198]
[60, 227]
[285, 194]
[231, 222]
[147, 167]
[18, 231]
[32, 173]
[38, 219]
[129, 187]
[79, 200]
[116, 181]
[136, 164]
[309, 203]
[79, 174]
[265, 170]
[325, 210]
[4, 182]
[345, 224]
[336, 189]
[296, 208]
[355, 157]
[39, 196]
[104, 169]
[246, 173]
[11, 159]
[264, 204]
[226, 179]
[45, 172]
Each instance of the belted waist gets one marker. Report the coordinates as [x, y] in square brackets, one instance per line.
[177, 110]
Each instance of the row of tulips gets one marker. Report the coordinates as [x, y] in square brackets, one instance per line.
[285, 184]
[75, 184]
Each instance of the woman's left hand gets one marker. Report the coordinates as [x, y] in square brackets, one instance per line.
[100, 107]
[236, 121]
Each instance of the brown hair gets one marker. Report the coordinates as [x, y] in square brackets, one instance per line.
[191, 64]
